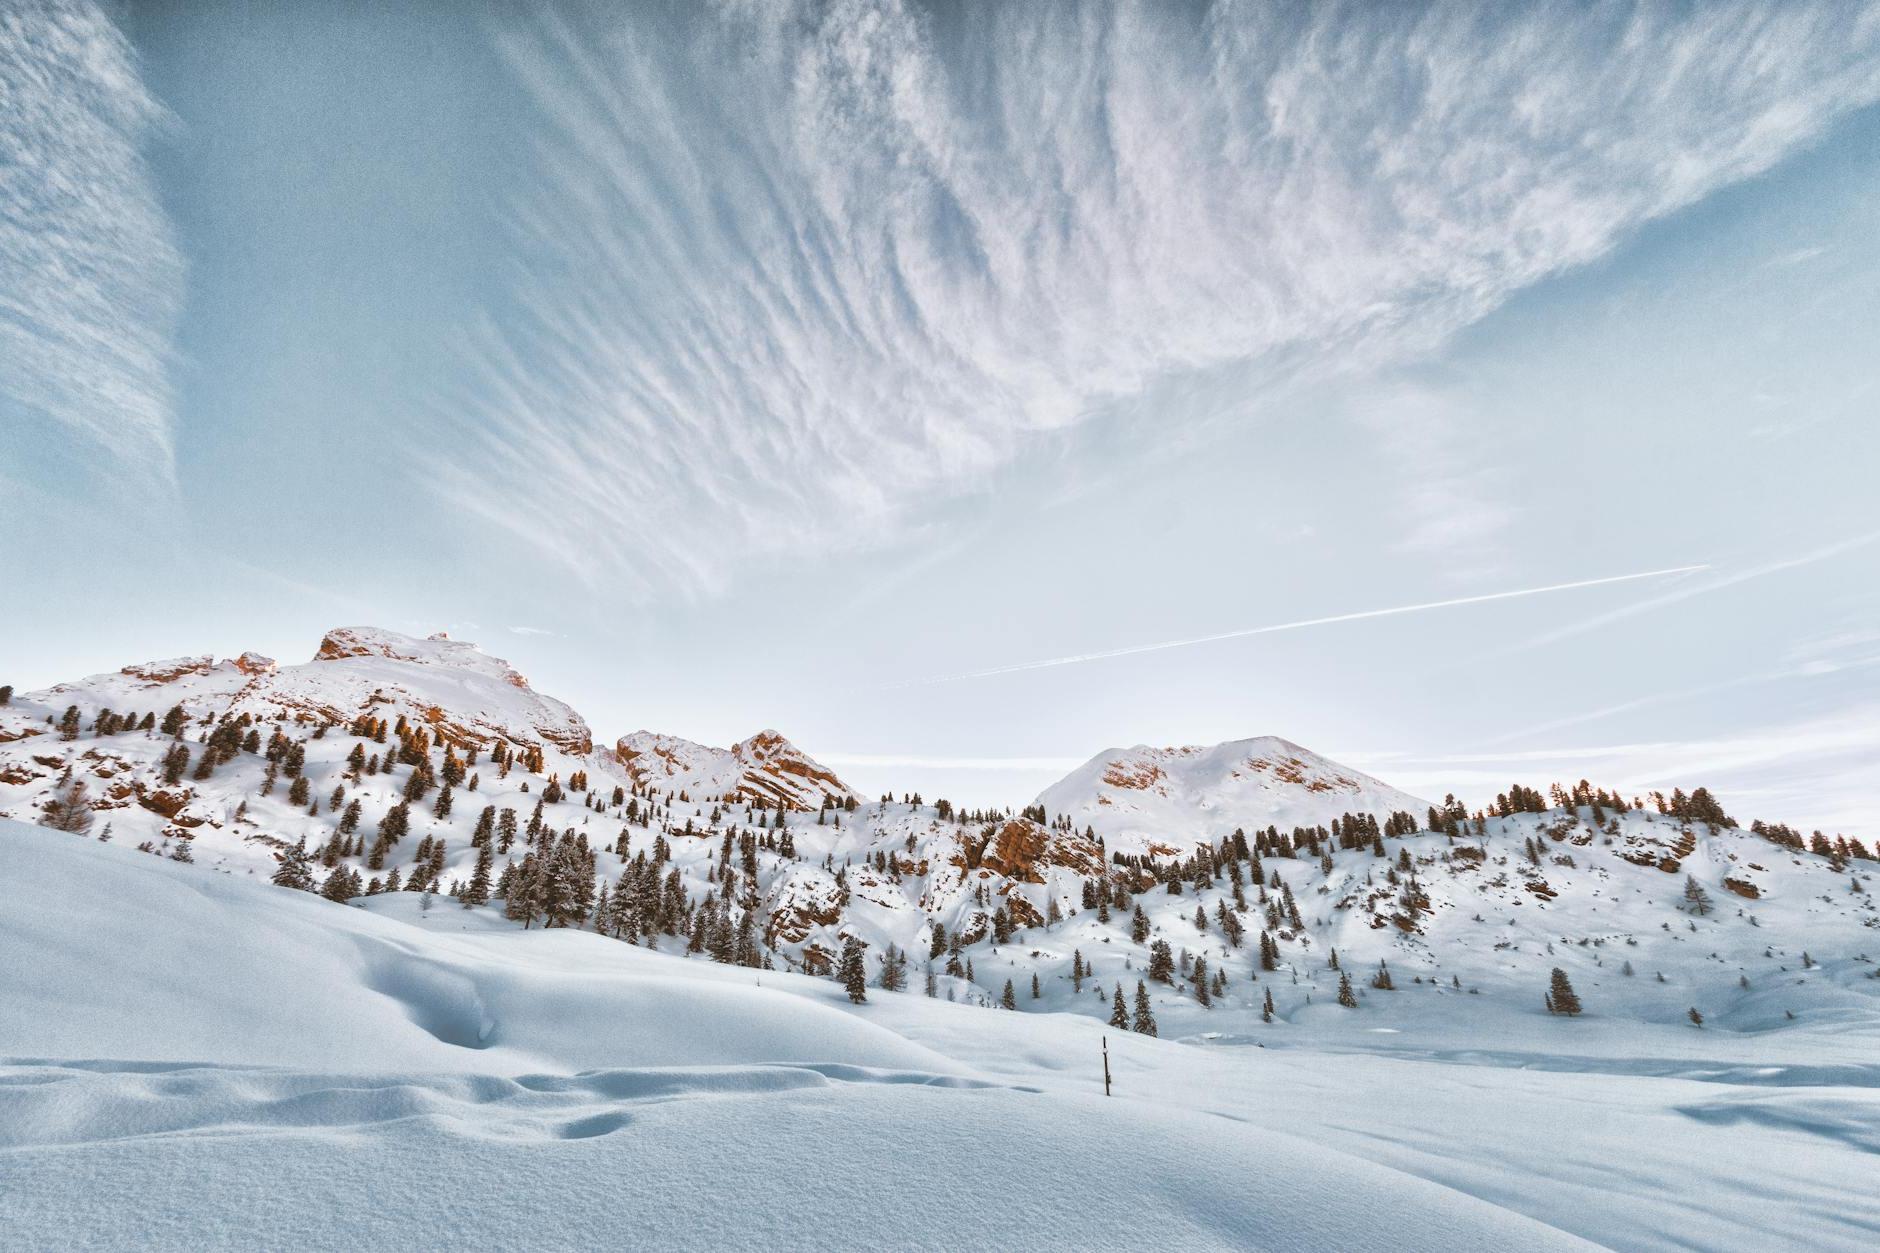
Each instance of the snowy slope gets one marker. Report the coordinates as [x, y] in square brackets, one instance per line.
[365, 1082]
[1141, 797]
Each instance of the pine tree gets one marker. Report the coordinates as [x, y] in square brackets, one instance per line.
[1346, 997]
[1561, 998]
[893, 975]
[1697, 1019]
[478, 892]
[293, 871]
[1266, 1011]
[180, 850]
[1119, 1012]
[1161, 962]
[1145, 1015]
[1008, 999]
[852, 972]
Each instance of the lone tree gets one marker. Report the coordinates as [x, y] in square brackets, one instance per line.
[1346, 997]
[1561, 998]
[69, 809]
[1697, 1019]
[893, 975]
[1695, 897]
[1119, 1012]
[852, 973]
[1008, 999]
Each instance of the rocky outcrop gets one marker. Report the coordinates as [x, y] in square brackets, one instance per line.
[1022, 850]
[170, 671]
[806, 899]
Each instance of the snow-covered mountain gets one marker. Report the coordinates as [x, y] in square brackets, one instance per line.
[766, 768]
[1169, 798]
[463, 695]
[1243, 894]
[389, 761]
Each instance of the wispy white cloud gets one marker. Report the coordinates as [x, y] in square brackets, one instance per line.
[90, 278]
[788, 269]
[1278, 627]
[528, 630]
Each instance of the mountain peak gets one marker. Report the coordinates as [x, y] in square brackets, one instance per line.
[437, 649]
[1177, 795]
[766, 767]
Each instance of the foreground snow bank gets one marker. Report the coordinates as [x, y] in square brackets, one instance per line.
[215, 1063]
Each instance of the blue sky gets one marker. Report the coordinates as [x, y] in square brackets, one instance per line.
[733, 366]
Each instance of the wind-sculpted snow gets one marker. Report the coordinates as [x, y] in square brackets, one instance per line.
[831, 1129]
[216, 1063]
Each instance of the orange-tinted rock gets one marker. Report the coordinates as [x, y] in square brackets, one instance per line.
[1137, 778]
[167, 671]
[167, 802]
[1021, 850]
[1022, 912]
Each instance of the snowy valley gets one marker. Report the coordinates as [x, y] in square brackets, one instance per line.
[390, 924]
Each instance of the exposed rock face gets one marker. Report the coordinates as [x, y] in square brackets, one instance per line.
[1022, 849]
[804, 900]
[153, 672]
[167, 802]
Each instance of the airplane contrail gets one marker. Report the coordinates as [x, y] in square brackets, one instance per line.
[1276, 627]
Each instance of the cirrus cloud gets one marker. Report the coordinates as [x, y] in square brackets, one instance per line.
[787, 271]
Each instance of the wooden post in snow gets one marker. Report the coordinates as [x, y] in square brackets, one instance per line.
[1106, 1065]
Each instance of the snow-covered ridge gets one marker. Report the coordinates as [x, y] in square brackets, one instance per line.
[766, 768]
[1172, 797]
[464, 694]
